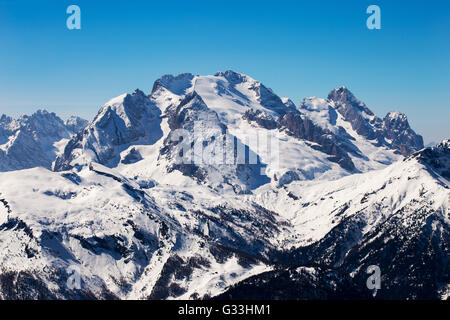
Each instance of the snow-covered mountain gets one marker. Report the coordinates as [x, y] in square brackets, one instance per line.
[32, 141]
[215, 186]
[318, 139]
[394, 129]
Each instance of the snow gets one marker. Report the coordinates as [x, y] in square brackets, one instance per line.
[216, 279]
[99, 205]
[320, 112]
[117, 101]
[3, 214]
[152, 215]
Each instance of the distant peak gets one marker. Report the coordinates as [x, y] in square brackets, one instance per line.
[41, 113]
[227, 73]
[5, 118]
[75, 123]
[432, 151]
[397, 120]
[74, 118]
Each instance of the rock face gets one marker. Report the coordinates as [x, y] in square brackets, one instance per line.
[127, 119]
[177, 85]
[200, 146]
[303, 128]
[261, 118]
[30, 141]
[362, 119]
[288, 103]
[436, 158]
[397, 130]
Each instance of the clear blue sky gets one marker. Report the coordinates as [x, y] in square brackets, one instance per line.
[298, 48]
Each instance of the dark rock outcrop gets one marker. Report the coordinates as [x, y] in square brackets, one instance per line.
[303, 128]
[396, 128]
[362, 119]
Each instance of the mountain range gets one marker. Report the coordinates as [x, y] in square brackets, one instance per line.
[216, 187]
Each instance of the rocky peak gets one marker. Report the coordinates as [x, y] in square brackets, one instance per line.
[126, 119]
[30, 140]
[233, 77]
[396, 120]
[176, 84]
[400, 135]
[343, 98]
[362, 119]
[269, 100]
[44, 124]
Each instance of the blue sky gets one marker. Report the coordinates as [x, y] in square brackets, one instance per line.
[298, 48]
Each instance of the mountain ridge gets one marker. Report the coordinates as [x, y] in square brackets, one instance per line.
[238, 99]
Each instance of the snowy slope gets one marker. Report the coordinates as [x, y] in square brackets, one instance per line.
[120, 237]
[397, 218]
[133, 241]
